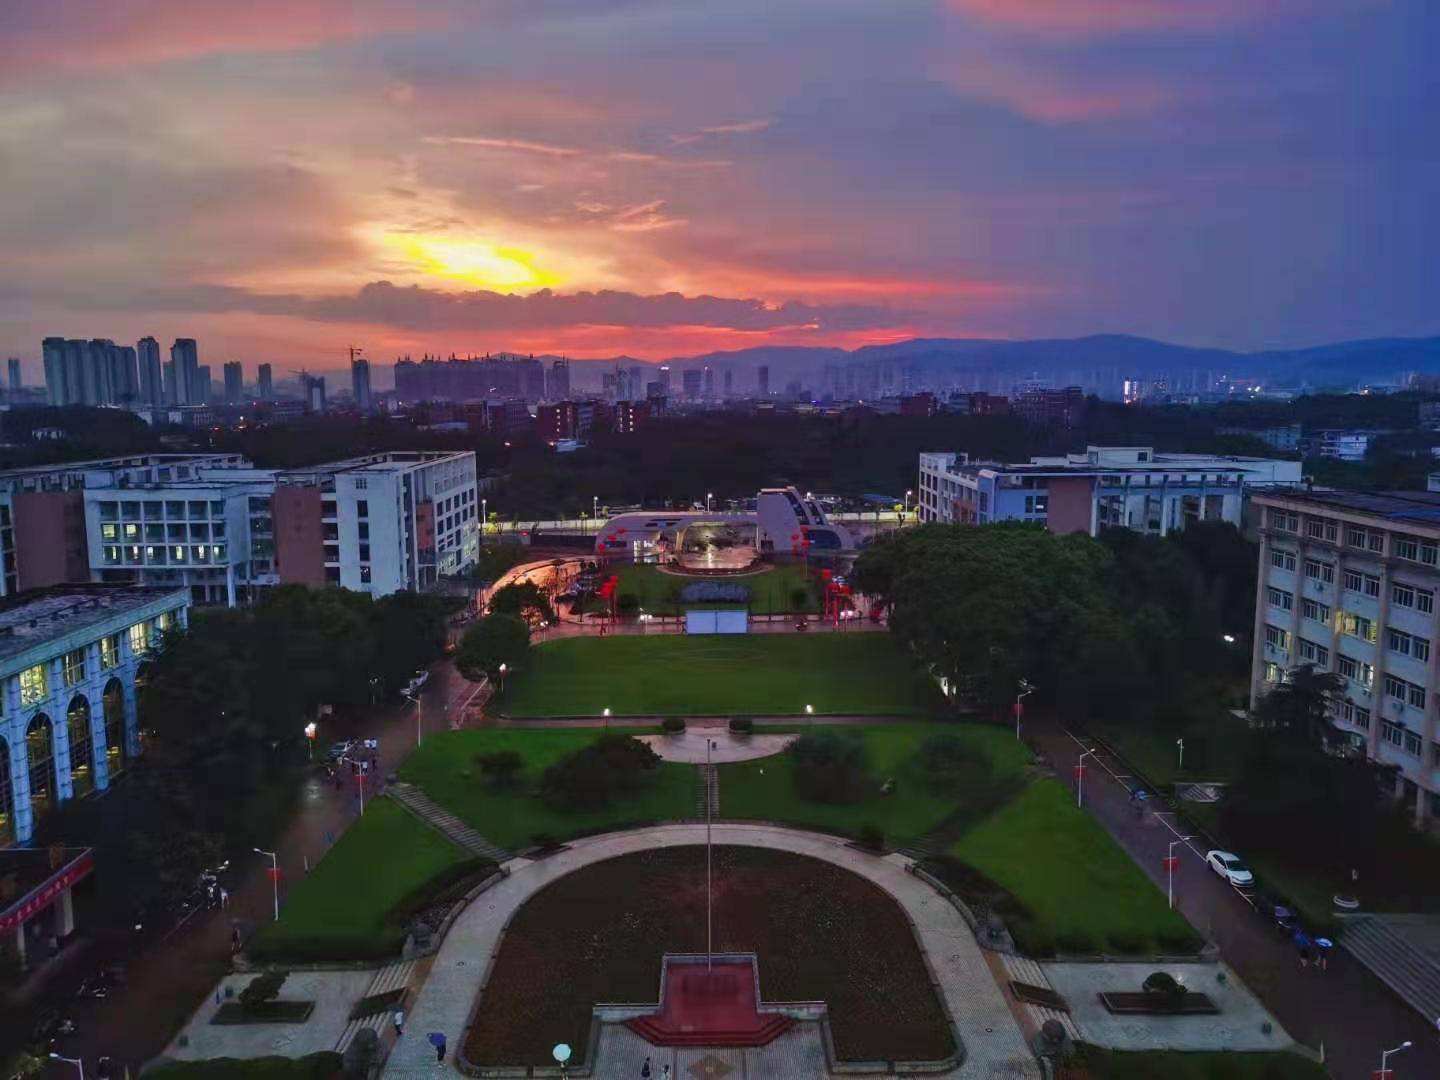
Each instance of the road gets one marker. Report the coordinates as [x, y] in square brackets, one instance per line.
[169, 980]
[1346, 1008]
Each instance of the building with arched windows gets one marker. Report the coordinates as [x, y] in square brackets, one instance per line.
[69, 659]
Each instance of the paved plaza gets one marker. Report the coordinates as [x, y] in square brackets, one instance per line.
[689, 746]
[1239, 1025]
[994, 1043]
[334, 993]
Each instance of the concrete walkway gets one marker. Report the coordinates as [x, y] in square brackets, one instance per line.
[994, 1043]
[689, 746]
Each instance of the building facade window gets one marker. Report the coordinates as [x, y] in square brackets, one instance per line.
[1316, 654]
[139, 639]
[1393, 734]
[1358, 626]
[1276, 637]
[1281, 599]
[1353, 581]
[1282, 559]
[73, 667]
[1320, 571]
[1315, 611]
[34, 687]
[109, 652]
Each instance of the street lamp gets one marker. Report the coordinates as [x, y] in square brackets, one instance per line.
[1229, 639]
[605, 715]
[310, 739]
[484, 518]
[709, 495]
[1025, 691]
[1383, 1074]
[79, 1065]
[595, 512]
[414, 695]
[908, 493]
[1080, 776]
[1170, 863]
[503, 668]
[809, 710]
[274, 877]
[1180, 747]
[360, 777]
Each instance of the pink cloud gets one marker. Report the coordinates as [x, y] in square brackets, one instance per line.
[111, 33]
[1099, 17]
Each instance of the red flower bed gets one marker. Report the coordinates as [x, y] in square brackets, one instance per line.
[821, 934]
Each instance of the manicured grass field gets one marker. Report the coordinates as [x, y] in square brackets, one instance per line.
[1213, 749]
[771, 592]
[761, 674]
[765, 787]
[339, 910]
[1084, 891]
[445, 768]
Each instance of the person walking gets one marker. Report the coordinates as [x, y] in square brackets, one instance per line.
[399, 1021]
[1303, 943]
[440, 1048]
[645, 1070]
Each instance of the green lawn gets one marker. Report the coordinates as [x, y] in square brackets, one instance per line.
[771, 592]
[765, 788]
[761, 674]
[1083, 890]
[1213, 748]
[444, 767]
[339, 910]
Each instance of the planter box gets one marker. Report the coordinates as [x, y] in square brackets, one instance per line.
[271, 1012]
[1143, 1004]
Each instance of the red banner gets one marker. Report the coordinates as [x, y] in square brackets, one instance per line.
[46, 893]
[1019, 709]
[1170, 862]
[1079, 771]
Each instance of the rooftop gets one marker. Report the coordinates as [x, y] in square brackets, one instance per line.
[30, 618]
[1420, 507]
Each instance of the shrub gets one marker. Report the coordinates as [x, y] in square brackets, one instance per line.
[1075, 942]
[264, 987]
[830, 768]
[872, 837]
[741, 725]
[589, 778]
[1129, 943]
[1164, 985]
[501, 767]
[627, 603]
[672, 725]
[799, 598]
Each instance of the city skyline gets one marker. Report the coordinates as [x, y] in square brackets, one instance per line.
[457, 179]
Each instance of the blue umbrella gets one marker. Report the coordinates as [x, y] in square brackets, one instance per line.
[437, 1039]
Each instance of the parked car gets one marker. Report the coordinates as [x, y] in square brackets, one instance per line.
[339, 749]
[1230, 867]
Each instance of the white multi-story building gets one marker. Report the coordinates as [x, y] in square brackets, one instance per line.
[1130, 486]
[384, 523]
[69, 656]
[1348, 583]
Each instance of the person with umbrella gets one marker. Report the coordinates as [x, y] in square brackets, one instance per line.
[437, 1040]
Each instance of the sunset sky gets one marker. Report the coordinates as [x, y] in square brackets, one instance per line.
[282, 179]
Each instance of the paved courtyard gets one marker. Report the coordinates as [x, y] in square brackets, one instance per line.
[334, 993]
[994, 1044]
[1237, 1027]
[689, 746]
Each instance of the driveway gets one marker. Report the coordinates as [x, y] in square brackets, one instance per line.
[1346, 1008]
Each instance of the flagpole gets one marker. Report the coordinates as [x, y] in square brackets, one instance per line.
[709, 901]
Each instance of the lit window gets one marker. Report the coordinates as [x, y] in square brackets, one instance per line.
[33, 688]
[139, 640]
[74, 667]
[110, 651]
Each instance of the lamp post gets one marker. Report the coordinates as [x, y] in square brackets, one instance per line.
[709, 890]
[1384, 1073]
[503, 668]
[1180, 747]
[79, 1065]
[1171, 862]
[1025, 691]
[595, 511]
[709, 495]
[274, 877]
[908, 493]
[310, 739]
[360, 777]
[605, 715]
[484, 519]
[809, 710]
[1080, 777]
[414, 695]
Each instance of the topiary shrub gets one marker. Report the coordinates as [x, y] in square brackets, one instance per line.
[1166, 987]
[672, 725]
[741, 725]
[501, 767]
[263, 988]
[831, 768]
[613, 765]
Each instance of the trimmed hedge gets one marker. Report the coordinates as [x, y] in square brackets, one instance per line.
[321, 1066]
[672, 725]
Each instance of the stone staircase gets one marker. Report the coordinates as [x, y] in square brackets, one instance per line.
[708, 796]
[1024, 970]
[1395, 962]
[386, 979]
[444, 822]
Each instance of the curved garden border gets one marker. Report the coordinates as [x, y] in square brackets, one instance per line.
[963, 981]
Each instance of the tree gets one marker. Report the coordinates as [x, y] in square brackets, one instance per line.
[525, 599]
[262, 989]
[492, 641]
[610, 767]
[1299, 707]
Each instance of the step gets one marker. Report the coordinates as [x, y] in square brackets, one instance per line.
[446, 823]
[1394, 962]
[766, 1032]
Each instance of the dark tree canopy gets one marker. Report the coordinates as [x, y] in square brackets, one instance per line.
[492, 641]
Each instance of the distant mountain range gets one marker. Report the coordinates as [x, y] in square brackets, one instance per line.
[1104, 356]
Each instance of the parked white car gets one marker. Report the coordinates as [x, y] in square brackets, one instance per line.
[1229, 867]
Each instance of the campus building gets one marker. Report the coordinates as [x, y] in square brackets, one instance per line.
[69, 657]
[224, 530]
[1348, 583]
[1130, 486]
[782, 523]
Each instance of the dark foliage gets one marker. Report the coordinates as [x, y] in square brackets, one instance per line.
[831, 768]
[492, 641]
[610, 767]
[501, 767]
